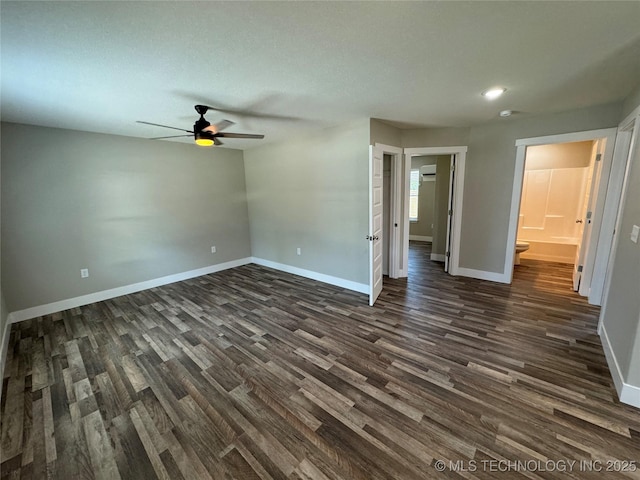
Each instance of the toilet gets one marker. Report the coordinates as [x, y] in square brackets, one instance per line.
[520, 247]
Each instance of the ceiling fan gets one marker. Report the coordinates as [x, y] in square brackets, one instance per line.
[203, 132]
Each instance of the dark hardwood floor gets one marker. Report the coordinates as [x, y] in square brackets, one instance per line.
[253, 373]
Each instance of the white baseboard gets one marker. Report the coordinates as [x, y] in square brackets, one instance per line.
[4, 347]
[321, 277]
[61, 305]
[481, 275]
[437, 257]
[421, 238]
[627, 393]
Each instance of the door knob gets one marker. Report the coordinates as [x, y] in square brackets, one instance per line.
[578, 221]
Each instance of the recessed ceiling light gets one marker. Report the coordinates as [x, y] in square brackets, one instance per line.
[506, 113]
[493, 93]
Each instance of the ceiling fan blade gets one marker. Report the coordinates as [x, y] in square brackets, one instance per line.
[164, 126]
[218, 127]
[217, 142]
[171, 136]
[251, 112]
[238, 135]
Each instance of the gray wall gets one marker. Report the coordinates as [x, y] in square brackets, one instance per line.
[434, 137]
[630, 103]
[621, 309]
[127, 209]
[380, 132]
[312, 192]
[3, 304]
[441, 205]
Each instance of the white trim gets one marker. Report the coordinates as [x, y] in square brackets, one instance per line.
[321, 277]
[458, 190]
[518, 178]
[421, 238]
[627, 393]
[565, 137]
[481, 275]
[629, 119]
[4, 348]
[388, 149]
[61, 305]
[438, 257]
[516, 193]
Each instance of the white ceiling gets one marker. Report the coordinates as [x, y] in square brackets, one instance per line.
[100, 66]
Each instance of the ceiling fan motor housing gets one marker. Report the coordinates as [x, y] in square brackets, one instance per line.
[200, 124]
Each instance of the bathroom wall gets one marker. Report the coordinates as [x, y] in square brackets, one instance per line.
[553, 198]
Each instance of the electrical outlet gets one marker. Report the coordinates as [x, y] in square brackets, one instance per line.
[634, 233]
[213, 249]
[84, 273]
[299, 251]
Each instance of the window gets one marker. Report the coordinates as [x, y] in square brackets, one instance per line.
[414, 187]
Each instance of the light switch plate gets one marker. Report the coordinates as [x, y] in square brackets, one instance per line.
[634, 233]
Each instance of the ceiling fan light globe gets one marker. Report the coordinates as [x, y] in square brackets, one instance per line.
[204, 142]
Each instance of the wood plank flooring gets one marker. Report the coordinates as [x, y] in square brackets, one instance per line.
[252, 373]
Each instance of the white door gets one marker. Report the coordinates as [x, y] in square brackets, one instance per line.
[587, 217]
[375, 222]
[450, 206]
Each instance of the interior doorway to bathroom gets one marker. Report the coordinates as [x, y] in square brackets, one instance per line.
[558, 202]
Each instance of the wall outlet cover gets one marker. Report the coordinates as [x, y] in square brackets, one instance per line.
[634, 233]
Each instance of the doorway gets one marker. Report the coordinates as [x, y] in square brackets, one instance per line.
[430, 199]
[384, 216]
[449, 179]
[398, 211]
[556, 204]
[588, 210]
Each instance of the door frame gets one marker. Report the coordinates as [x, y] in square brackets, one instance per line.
[594, 256]
[395, 210]
[456, 196]
[450, 190]
[626, 146]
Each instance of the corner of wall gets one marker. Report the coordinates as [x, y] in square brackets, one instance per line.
[5, 328]
[631, 102]
[627, 393]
